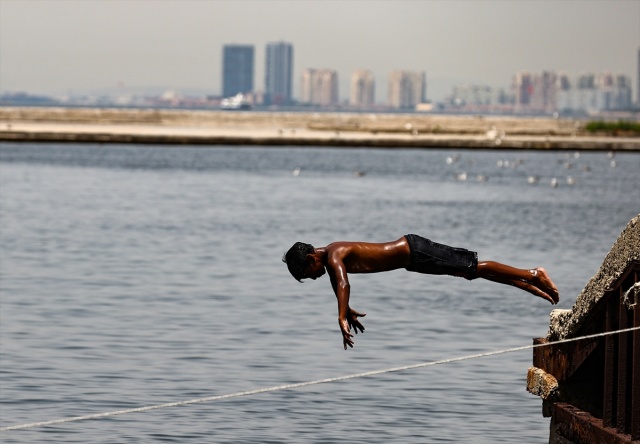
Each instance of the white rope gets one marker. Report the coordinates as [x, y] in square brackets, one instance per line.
[302, 384]
[626, 297]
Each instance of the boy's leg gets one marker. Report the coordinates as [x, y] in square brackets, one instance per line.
[535, 281]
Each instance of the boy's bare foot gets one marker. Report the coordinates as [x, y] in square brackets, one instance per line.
[527, 286]
[542, 280]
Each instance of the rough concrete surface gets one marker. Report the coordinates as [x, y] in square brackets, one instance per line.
[626, 249]
[541, 383]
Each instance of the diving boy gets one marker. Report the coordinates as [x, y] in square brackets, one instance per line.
[412, 252]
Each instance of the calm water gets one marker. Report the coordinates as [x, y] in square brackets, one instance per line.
[133, 276]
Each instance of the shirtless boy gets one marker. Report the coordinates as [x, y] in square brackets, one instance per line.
[411, 252]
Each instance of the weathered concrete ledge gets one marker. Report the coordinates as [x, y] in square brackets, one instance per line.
[73, 125]
[541, 383]
[626, 250]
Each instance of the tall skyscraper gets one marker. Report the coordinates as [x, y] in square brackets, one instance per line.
[545, 87]
[407, 88]
[319, 87]
[362, 89]
[522, 90]
[237, 70]
[278, 73]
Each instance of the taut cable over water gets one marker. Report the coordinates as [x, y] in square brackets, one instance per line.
[303, 384]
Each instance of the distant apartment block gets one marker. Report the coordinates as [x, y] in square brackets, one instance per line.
[522, 90]
[407, 89]
[544, 89]
[549, 92]
[479, 96]
[237, 70]
[363, 87]
[278, 73]
[319, 87]
[592, 93]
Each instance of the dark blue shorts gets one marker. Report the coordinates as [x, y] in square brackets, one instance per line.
[429, 257]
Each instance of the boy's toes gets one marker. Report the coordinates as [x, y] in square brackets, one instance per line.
[546, 281]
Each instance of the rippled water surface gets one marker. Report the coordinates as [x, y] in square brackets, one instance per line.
[134, 276]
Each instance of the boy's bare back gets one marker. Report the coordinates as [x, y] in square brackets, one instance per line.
[366, 257]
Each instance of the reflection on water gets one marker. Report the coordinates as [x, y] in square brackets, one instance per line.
[134, 276]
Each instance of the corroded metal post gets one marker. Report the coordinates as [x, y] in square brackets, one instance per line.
[609, 368]
[635, 369]
[621, 403]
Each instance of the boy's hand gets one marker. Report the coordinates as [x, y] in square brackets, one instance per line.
[352, 317]
[346, 334]
[346, 324]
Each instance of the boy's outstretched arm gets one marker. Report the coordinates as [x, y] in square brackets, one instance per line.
[347, 317]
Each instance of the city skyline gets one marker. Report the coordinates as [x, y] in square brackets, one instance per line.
[67, 47]
[539, 92]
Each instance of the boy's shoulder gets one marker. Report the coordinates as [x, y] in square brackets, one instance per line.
[341, 247]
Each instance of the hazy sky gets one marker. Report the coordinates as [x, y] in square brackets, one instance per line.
[59, 46]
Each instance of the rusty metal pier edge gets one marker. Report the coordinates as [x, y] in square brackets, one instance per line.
[597, 398]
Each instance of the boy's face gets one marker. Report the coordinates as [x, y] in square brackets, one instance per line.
[314, 269]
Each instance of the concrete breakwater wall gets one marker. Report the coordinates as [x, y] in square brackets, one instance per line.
[298, 128]
[382, 123]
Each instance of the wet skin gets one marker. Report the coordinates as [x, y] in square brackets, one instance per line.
[340, 258]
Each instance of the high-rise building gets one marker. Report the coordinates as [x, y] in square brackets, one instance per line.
[278, 74]
[363, 87]
[543, 97]
[237, 70]
[522, 90]
[564, 96]
[407, 89]
[319, 87]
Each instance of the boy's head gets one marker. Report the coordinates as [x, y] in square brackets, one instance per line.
[296, 259]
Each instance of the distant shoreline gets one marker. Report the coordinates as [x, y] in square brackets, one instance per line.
[179, 127]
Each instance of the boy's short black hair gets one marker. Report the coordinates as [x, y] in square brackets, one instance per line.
[296, 259]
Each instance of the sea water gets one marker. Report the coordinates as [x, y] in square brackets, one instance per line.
[139, 275]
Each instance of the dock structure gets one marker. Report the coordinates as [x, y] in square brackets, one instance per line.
[330, 129]
[591, 387]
